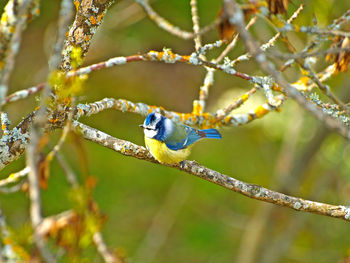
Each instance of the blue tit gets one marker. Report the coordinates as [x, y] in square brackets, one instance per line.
[170, 142]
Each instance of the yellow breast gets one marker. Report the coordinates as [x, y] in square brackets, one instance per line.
[163, 154]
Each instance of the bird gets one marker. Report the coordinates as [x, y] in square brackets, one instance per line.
[169, 142]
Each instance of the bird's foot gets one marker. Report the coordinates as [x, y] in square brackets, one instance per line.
[182, 164]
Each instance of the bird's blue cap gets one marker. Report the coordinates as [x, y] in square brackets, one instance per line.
[150, 118]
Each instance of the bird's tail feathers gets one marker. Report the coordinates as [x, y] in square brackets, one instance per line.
[210, 133]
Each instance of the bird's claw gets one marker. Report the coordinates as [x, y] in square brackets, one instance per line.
[182, 164]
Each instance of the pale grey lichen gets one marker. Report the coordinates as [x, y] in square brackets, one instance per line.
[194, 59]
[297, 205]
[330, 109]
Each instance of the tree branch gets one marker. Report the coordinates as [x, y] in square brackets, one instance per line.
[192, 167]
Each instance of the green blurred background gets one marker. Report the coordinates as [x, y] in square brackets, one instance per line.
[196, 221]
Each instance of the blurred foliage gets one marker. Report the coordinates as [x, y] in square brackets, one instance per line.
[212, 221]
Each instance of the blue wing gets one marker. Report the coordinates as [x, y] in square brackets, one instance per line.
[191, 135]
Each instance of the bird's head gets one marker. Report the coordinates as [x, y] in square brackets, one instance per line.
[153, 124]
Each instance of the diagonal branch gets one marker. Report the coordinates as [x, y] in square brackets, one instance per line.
[192, 167]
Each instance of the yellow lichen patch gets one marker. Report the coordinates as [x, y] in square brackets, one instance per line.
[2, 64]
[37, 11]
[76, 56]
[76, 3]
[304, 80]
[197, 107]
[37, 108]
[244, 97]
[12, 176]
[277, 22]
[19, 251]
[172, 55]
[12, 29]
[227, 119]
[93, 20]
[4, 18]
[127, 104]
[301, 84]
[250, 117]
[260, 111]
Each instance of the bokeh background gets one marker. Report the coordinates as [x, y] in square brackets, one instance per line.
[158, 214]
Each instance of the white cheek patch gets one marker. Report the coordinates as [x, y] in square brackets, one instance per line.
[150, 133]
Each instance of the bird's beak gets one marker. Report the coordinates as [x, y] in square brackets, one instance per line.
[141, 125]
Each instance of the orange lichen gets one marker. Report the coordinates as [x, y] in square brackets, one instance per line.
[160, 55]
[52, 120]
[67, 101]
[93, 20]
[76, 3]
[275, 87]
[260, 111]
[99, 18]
[186, 58]
[3, 127]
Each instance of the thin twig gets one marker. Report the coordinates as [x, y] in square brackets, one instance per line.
[195, 21]
[22, 94]
[14, 177]
[103, 249]
[34, 196]
[65, 17]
